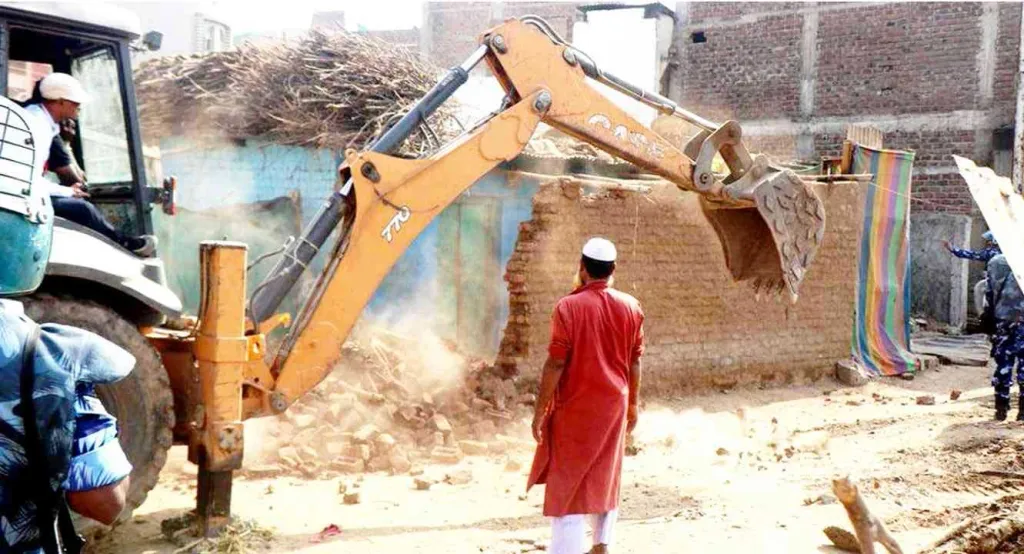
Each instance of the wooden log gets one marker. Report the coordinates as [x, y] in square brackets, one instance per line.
[1002, 474]
[869, 529]
[846, 157]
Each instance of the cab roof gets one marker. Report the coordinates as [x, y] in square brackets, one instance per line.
[99, 16]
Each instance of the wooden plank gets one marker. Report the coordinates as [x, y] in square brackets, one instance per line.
[1002, 208]
[971, 350]
[846, 160]
[865, 135]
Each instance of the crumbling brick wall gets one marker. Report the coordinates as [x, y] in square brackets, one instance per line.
[703, 330]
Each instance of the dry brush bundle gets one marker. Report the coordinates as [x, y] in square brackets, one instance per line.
[327, 90]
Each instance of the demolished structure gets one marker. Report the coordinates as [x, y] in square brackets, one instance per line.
[702, 329]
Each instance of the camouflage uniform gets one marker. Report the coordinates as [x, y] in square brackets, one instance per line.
[1006, 301]
[983, 255]
[1008, 351]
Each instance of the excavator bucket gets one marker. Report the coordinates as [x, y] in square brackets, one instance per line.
[772, 243]
[769, 221]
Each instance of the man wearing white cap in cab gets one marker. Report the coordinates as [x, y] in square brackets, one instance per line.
[587, 404]
[57, 98]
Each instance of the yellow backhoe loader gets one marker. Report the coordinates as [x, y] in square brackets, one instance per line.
[220, 371]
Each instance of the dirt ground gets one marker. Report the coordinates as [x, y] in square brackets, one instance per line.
[743, 471]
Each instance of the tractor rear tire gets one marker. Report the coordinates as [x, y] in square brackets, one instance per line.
[142, 402]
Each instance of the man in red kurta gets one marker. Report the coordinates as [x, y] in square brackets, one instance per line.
[587, 403]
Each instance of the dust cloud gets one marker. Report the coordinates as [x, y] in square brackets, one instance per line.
[705, 437]
[401, 394]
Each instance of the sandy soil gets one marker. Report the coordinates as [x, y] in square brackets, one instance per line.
[746, 471]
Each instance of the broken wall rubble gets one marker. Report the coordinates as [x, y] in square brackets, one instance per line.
[703, 330]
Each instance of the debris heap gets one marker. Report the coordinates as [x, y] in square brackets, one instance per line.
[392, 405]
[326, 89]
[1000, 529]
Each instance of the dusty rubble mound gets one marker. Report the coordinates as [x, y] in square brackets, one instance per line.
[393, 404]
[328, 90]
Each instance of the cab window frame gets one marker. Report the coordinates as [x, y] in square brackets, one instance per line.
[11, 20]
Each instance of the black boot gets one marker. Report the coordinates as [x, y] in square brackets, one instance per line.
[1020, 409]
[1002, 407]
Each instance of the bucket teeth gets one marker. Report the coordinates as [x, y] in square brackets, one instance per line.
[772, 243]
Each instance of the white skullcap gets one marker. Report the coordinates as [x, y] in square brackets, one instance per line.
[599, 249]
[61, 86]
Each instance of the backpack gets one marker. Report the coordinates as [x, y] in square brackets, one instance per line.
[57, 534]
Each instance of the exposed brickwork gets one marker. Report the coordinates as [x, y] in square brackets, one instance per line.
[22, 77]
[702, 328]
[746, 71]
[941, 193]
[827, 144]
[933, 148]
[1007, 53]
[702, 12]
[781, 147]
[923, 62]
[455, 26]
[898, 58]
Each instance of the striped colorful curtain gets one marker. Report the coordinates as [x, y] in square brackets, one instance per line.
[881, 336]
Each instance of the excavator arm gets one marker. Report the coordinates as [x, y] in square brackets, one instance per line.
[769, 222]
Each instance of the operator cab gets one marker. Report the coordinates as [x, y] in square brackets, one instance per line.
[108, 144]
[94, 43]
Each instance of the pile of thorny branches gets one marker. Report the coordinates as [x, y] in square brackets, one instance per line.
[327, 90]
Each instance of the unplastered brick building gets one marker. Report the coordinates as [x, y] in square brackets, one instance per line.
[938, 78]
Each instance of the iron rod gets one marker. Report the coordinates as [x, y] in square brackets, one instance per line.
[653, 99]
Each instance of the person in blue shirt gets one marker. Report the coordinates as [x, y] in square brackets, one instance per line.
[991, 250]
[74, 460]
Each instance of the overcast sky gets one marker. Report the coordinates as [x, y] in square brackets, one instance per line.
[292, 14]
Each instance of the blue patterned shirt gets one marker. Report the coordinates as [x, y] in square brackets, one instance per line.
[79, 437]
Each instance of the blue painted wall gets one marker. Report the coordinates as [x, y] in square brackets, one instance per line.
[215, 175]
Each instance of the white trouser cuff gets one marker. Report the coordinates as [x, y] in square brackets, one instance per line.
[569, 533]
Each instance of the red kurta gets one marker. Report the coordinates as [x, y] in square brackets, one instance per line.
[599, 332]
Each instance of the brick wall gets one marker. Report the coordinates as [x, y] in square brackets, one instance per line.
[702, 328]
[727, 11]
[1007, 54]
[936, 77]
[897, 58]
[745, 71]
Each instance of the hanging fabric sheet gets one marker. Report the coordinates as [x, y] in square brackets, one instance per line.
[881, 336]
